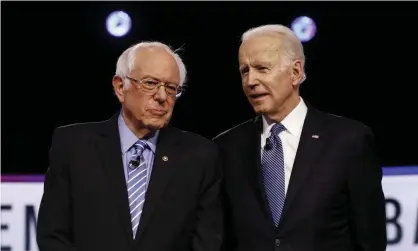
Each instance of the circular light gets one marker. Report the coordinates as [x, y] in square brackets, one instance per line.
[304, 28]
[118, 23]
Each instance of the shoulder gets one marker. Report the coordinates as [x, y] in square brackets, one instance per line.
[81, 128]
[343, 131]
[343, 125]
[191, 140]
[238, 131]
[71, 132]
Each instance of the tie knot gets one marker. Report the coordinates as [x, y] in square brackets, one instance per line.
[140, 146]
[277, 129]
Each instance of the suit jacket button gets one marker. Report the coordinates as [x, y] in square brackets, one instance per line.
[277, 242]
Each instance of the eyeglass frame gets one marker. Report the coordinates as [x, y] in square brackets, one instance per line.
[139, 83]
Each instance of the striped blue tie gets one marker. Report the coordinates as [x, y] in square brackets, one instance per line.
[137, 181]
[273, 173]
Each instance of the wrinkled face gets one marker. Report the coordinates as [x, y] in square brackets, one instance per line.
[144, 109]
[267, 79]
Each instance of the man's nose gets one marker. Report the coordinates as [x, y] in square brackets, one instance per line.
[161, 94]
[252, 79]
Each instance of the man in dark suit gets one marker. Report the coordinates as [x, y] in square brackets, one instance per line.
[296, 179]
[133, 182]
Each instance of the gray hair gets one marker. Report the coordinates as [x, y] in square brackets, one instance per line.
[293, 49]
[126, 61]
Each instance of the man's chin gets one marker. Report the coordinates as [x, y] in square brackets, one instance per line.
[156, 124]
[259, 109]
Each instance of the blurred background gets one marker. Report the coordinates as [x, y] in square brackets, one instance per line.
[58, 60]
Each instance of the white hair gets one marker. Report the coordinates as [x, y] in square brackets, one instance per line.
[292, 46]
[126, 61]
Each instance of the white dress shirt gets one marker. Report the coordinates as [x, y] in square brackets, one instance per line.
[293, 123]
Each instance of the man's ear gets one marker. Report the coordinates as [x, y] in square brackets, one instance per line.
[117, 83]
[297, 72]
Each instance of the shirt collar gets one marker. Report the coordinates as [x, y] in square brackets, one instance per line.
[293, 122]
[128, 138]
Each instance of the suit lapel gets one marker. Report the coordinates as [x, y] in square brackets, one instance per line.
[164, 165]
[254, 162]
[110, 153]
[310, 145]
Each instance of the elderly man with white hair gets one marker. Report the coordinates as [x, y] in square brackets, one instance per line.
[133, 182]
[296, 179]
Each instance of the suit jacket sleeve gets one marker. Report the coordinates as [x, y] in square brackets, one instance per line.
[54, 220]
[208, 234]
[367, 201]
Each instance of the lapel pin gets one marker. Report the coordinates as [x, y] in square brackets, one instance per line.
[315, 136]
[165, 158]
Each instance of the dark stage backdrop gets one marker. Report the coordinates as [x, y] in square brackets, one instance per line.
[58, 61]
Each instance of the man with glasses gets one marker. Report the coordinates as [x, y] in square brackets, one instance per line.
[133, 182]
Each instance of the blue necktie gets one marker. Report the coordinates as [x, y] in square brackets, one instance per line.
[272, 164]
[137, 181]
